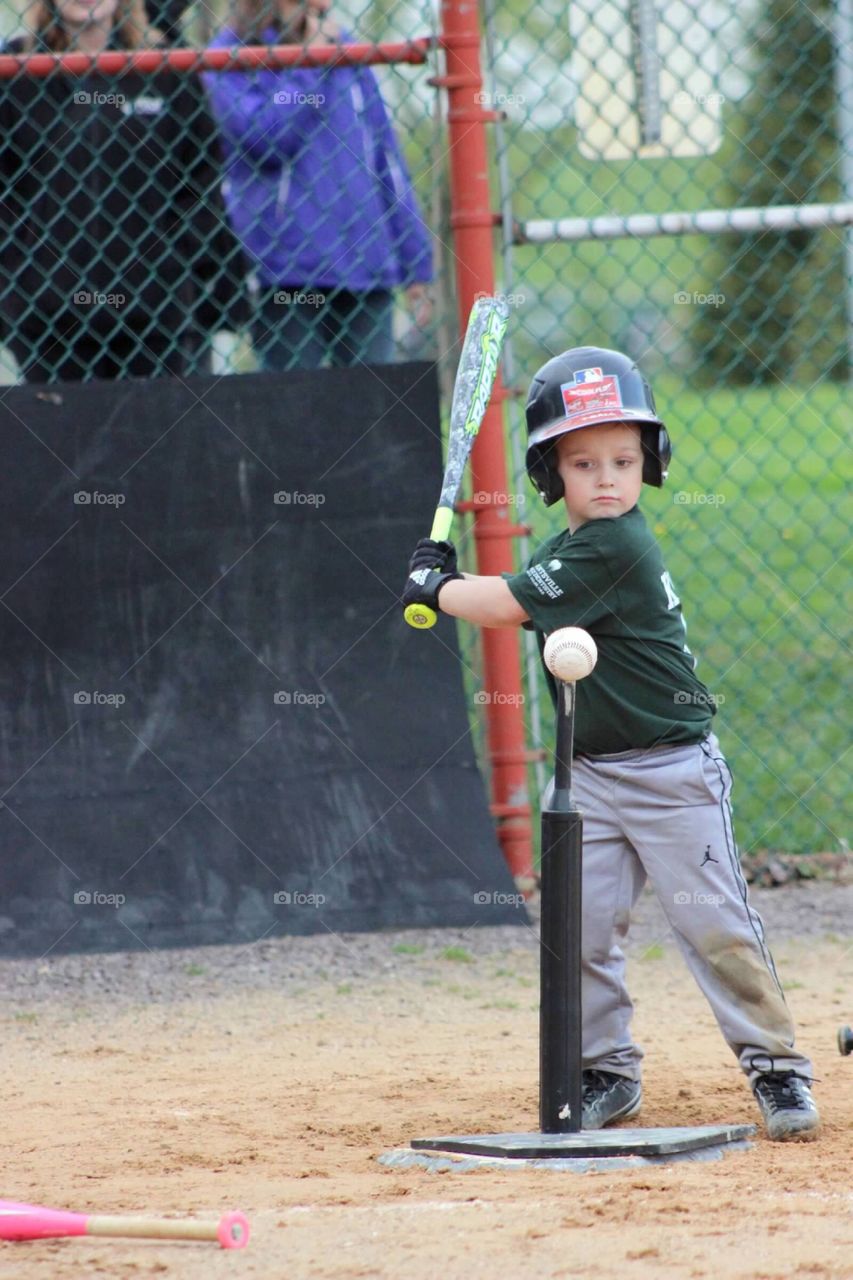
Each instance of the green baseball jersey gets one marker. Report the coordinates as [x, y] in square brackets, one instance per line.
[609, 578]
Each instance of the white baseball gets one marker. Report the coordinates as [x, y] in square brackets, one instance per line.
[570, 654]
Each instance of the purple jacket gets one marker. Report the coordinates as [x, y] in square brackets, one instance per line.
[316, 187]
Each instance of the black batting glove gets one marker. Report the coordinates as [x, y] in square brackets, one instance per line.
[423, 585]
[434, 555]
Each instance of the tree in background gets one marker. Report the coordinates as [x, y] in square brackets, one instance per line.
[784, 312]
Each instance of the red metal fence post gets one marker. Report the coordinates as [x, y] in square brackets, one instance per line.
[473, 226]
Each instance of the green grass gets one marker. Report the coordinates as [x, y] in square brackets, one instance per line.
[457, 954]
[763, 573]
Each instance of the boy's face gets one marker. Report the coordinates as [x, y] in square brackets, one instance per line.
[602, 471]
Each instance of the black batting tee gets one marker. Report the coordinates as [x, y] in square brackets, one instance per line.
[609, 578]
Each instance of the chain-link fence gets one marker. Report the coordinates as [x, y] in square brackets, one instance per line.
[185, 222]
[269, 217]
[622, 109]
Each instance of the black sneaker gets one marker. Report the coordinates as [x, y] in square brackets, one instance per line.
[608, 1097]
[787, 1106]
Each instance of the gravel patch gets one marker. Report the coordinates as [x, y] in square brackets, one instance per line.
[299, 964]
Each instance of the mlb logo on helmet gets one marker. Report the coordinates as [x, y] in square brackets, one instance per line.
[591, 390]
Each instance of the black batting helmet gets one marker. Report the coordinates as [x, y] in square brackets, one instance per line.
[586, 387]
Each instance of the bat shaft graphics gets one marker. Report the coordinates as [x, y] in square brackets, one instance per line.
[475, 378]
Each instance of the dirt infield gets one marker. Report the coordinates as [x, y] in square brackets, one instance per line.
[269, 1078]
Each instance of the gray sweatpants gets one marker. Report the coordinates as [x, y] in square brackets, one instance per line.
[664, 815]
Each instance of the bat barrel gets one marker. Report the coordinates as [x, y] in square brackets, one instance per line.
[36, 1222]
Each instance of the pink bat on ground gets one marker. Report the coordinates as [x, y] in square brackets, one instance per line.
[34, 1222]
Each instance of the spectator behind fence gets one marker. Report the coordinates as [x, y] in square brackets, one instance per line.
[319, 195]
[166, 16]
[117, 257]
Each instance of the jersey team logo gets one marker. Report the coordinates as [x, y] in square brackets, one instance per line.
[591, 391]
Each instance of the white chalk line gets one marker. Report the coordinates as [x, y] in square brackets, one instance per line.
[422, 1206]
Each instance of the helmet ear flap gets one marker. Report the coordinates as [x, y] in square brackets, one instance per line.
[657, 452]
[542, 469]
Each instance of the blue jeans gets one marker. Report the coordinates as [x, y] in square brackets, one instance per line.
[297, 327]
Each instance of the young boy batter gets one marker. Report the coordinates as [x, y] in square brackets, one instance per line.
[649, 775]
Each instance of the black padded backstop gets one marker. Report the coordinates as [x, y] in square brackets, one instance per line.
[215, 724]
